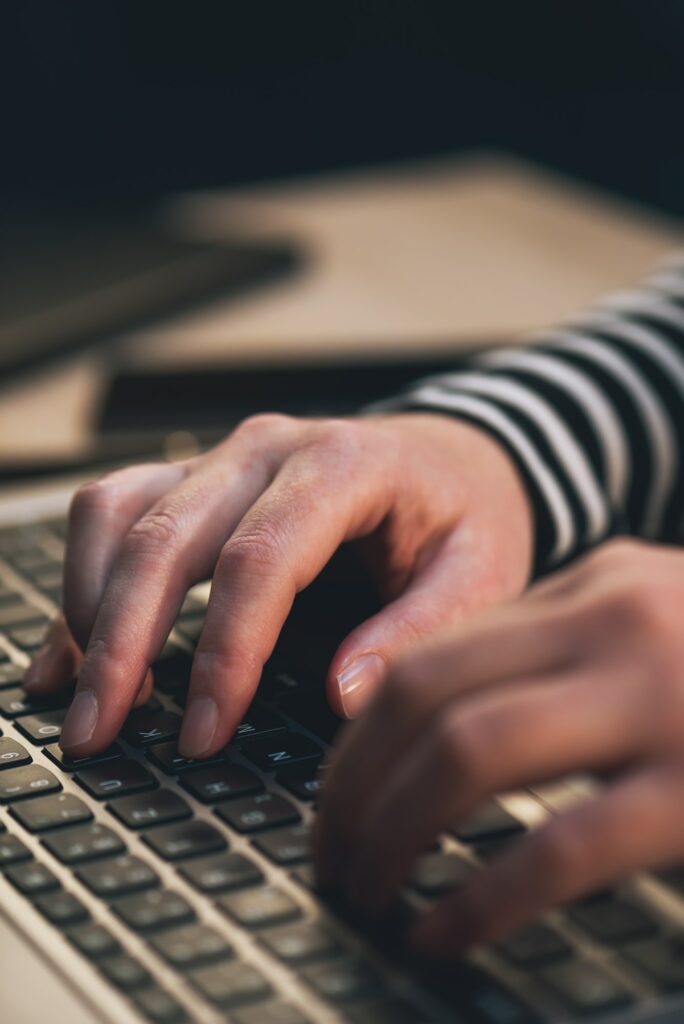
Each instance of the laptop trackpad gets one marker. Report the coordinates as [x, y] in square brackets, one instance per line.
[30, 989]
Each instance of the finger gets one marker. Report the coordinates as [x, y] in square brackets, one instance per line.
[629, 828]
[502, 645]
[313, 505]
[145, 691]
[479, 747]
[100, 516]
[57, 661]
[459, 578]
[170, 548]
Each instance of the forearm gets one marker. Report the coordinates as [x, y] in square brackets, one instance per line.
[593, 414]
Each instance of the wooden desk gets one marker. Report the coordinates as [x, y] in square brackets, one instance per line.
[455, 252]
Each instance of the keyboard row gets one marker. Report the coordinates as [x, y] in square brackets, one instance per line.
[164, 819]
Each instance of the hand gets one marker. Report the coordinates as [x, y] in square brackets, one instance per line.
[439, 503]
[584, 672]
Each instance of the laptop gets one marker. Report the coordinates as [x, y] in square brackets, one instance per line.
[139, 887]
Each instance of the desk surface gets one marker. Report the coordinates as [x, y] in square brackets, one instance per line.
[445, 254]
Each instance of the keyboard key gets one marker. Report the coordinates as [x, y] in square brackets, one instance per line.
[49, 581]
[220, 782]
[305, 874]
[194, 945]
[62, 909]
[32, 878]
[190, 839]
[662, 961]
[43, 727]
[585, 988]
[118, 877]
[115, 778]
[491, 1003]
[260, 907]
[47, 812]
[28, 638]
[159, 1007]
[15, 702]
[141, 730]
[222, 873]
[145, 810]
[342, 981]
[12, 754]
[8, 594]
[93, 941]
[79, 845]
[438, 872]
[21, 783]
[230, 984]
[20, 614]
[282, 748]
[304, 779]
[258, 722]
[125, 973]
[151, 911]
[10, 675]
[166, 757]
[386, 1010]
[74, 764]
[32, 561]
[270, 1013]
[534, 946]
[12, 851]
[490, 821]
[302, 943]
[254, 813]
[613, 921]
[286, 845]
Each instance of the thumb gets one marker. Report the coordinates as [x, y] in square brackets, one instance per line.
[462, 579]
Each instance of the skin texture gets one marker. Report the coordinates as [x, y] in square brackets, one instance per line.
[585, 672]
[437, 503]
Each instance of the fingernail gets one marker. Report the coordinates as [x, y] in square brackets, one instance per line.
[199, 727]
[81, 721]
[357, 680]
[36, 673]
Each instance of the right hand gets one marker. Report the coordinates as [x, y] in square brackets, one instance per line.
[438, 502]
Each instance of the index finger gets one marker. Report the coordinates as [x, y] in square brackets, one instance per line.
[278, 549]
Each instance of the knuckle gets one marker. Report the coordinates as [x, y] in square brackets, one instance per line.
[619, 552]
[256, 550]
[262, 425]
[613, 558]
[340, 439]
[214, 663]
[95, 496]
[640, 609]
[158, 533]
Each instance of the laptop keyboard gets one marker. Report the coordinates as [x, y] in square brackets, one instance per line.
[189, 886]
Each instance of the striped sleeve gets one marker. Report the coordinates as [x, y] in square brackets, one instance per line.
[593, 415]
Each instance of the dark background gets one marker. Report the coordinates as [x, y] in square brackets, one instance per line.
[119, 97]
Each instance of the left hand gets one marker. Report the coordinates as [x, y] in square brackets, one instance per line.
[585, 672]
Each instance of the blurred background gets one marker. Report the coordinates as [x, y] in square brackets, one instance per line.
[141, 97]
[333, 144]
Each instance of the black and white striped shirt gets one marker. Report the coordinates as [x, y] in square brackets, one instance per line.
[593, 414]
